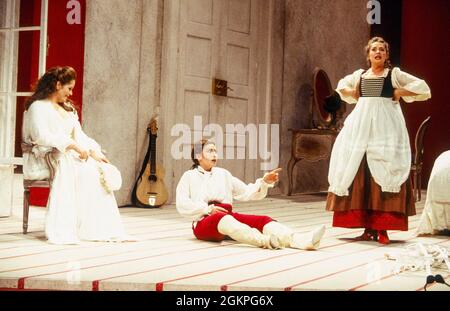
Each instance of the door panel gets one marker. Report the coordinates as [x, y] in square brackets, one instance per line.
[217, 40]
[195, 65]
[3, 13]
[4, 60]
[239, 16]
[237, 61]
[200, 11]
[197, 40]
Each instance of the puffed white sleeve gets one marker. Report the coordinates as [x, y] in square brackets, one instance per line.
[84, 140]
[350, 81]
[39, 132]
[401, 79]
[247, 192]
[185, 205]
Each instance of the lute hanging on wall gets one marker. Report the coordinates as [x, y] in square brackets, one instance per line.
[150, 189]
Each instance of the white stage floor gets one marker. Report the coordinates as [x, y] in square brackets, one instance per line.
[167, 257]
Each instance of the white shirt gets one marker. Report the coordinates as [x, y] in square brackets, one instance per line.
[400, 79]
[197, 187]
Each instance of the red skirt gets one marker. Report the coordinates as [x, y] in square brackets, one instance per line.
[367, 206]
[371, 220]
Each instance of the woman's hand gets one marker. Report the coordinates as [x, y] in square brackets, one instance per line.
[272, 177]
[355, 93]
[98, 158]
[83, 154]
[398, 93]
[351, 92]
[216, 209]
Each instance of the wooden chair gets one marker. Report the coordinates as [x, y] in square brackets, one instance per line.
[417, 159]
[27, 183]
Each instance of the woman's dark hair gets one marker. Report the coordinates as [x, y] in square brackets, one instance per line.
[46, 85]
[197, 148]
[387, 63]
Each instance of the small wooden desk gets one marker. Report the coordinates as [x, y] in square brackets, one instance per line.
[311, 145]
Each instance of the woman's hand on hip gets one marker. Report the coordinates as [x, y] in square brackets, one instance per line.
[347, 91]
[355, 93]
[396, 96]
[398, 93]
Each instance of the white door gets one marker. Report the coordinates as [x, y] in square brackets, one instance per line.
[218, 39]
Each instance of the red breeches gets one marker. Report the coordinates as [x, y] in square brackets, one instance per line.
[206, 229]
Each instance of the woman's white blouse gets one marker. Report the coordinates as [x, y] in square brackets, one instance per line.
[44, 126]
[400, 79]
[197, 187]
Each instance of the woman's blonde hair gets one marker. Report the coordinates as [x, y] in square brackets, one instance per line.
[387, 63]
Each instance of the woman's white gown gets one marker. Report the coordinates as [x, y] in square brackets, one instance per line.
[79, 208]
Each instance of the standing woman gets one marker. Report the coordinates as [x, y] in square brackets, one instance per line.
[371, 158]
[81, 205]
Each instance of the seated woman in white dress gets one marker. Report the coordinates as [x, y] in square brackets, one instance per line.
[205, 194]
[81, 204]
[436, 214]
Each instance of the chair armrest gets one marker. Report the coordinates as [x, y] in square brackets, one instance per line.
[49, 158]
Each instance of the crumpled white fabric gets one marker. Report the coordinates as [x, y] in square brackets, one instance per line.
[436, 213]
[419, 256]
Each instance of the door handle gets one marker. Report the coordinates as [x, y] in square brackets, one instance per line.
[220, 87]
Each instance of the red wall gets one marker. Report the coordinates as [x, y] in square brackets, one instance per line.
[67, 43]
[425, 52]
